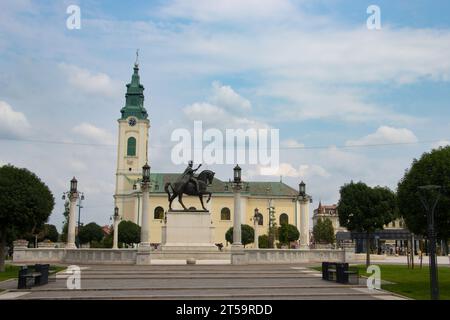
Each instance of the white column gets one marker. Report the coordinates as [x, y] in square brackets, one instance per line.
[255, 226]
[304, 224]
[237, 242]
[116, 233]
[297, 214]
[145, 227]
[72, 216]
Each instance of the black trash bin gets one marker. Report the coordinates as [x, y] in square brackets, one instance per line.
[325, 266]
[341, 272]
[43, 269]
[25, 281]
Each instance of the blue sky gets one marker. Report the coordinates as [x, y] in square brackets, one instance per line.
[309, 68]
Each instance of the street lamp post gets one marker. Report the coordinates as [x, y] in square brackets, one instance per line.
[116, 218]
[138, 195]
[73, 195]
[237, 186]
[80, 199]
[430, 209]
[255, 224]
[145, 228]
[304, 200]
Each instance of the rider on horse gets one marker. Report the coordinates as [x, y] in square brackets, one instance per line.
[188, 175]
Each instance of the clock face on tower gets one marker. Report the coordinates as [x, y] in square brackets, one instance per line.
[132, 122]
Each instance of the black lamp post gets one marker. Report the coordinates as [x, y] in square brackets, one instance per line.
[430, 208]
[73, 185]
[80, 198]
[302, 189]
[146, 173]
[256, 216]
[237, 174]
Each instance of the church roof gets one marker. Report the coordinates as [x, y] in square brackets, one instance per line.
[134, 98]
[253, 188]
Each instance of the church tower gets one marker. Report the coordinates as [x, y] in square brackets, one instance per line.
[132, 151]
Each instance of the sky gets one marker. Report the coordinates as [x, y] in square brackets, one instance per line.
[350, 103]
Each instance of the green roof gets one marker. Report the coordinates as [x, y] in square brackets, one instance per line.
[253, 188]
[134, 98]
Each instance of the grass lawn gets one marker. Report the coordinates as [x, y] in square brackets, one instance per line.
[412, 283]
[13, 271]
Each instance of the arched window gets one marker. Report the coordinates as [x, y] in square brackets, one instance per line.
[260, 219]
[131, 146]
[284, 219]
[159, 213]
[225, 214]
[192, 208]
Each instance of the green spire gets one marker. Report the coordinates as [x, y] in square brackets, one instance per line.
[134, 98]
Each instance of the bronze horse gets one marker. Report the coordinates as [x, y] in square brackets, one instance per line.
[204, 179]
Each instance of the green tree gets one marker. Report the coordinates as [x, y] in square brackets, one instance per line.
[66, 221]
[365, 209]
[107, 241]
[90, 233]
[50, 233]
[323, 231]
[263, 241]
[273, 230]
[288, 233]
[26, 203]
[63, 235]
[432, 168]
[129, 232]
[247, 234]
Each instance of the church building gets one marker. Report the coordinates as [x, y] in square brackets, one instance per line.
[132, 155]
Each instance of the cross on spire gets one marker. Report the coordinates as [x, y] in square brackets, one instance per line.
[137, 58]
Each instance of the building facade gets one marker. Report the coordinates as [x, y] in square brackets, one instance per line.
[132, 154]
[328, 212]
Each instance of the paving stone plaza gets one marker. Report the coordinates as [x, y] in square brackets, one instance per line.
[197, 282]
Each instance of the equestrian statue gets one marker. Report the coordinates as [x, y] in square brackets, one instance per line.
[191, 185]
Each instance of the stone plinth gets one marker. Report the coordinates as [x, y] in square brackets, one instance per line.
[188, 231]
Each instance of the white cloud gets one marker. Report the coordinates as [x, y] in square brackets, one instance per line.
[291, 144]
[288, 170]
[12, 123]
[219, 110]
[77, 165]
[385, 134]
[308, 101]
[441, 143]
[89, 82]
[94, 133]
[233, 10]
[227, 98]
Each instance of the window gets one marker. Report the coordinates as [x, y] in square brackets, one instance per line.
[131, 146]
[393, 224]
[284, 219]
[192, 208]
[225, 214]
[260, 219]
[159, 213]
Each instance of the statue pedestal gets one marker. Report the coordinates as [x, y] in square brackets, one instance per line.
[188, 231]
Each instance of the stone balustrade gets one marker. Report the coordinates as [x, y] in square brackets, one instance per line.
[288, 256]
[129, 256]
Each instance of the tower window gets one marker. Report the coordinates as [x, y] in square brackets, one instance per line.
[131, 147]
